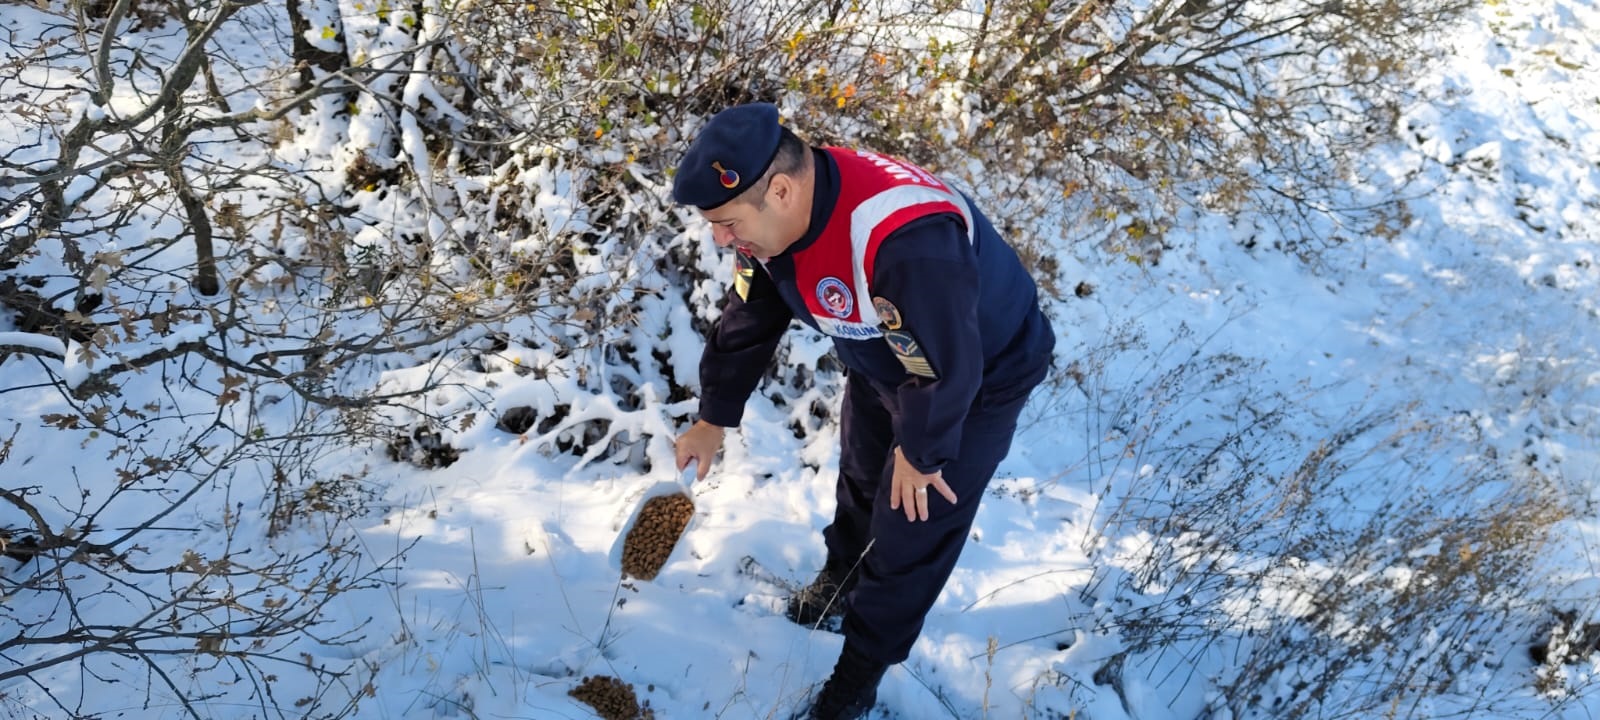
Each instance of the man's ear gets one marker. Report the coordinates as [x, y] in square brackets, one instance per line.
[782, 189]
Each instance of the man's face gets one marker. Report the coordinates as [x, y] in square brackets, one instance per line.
[758, 229]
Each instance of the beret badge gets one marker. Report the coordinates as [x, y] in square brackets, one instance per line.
[728, 178]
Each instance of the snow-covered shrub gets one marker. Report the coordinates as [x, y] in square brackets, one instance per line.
[1389, 566]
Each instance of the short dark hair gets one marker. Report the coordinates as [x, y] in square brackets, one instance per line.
[789, 159]
[791, 156]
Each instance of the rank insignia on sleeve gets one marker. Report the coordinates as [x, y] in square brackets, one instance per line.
[888, 314]
[744, 270]
[909, 353]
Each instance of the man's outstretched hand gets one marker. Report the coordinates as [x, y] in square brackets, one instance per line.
[699, 444]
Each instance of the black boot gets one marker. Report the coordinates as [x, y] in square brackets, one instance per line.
[851, 691]
[822, 599]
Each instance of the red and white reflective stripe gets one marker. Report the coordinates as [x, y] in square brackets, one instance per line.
[882, 214]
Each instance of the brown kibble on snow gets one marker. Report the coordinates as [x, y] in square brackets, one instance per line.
[654, 533]
[612, 699]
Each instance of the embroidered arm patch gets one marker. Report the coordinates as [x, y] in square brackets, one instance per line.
[905, 346]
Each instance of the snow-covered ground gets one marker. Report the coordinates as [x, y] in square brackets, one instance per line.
[1477, 318]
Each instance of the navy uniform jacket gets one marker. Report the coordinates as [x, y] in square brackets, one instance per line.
[970, 305]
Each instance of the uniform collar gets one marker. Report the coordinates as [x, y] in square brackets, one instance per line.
[824, 195]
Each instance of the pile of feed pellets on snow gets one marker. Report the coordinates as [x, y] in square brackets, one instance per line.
[612, 699]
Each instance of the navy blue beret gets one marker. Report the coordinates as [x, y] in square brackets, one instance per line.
[731, 153]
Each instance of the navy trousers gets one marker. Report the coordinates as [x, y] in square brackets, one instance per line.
[897, 581]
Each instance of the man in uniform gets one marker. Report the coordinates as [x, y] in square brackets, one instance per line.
[938, 325]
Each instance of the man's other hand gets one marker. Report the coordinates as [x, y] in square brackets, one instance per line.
[910, 488]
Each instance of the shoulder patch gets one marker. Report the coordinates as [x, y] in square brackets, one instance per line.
[888, 314]
[909, 352]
